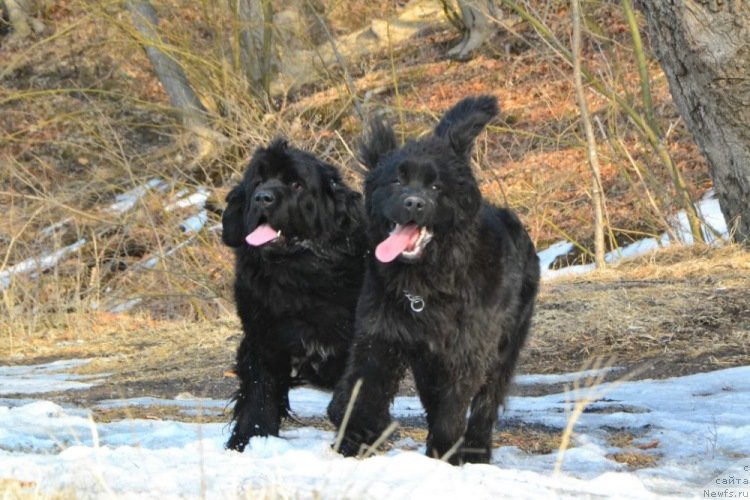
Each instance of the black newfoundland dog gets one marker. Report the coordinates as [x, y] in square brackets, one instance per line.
[299, 244]
[449, 290]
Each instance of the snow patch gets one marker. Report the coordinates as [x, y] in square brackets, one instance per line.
[50, 377]
[698, 424]
[37, 264]
[713, 227]
[127, 200]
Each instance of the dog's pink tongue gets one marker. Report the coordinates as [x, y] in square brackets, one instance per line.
[262, 235]
[396, 242]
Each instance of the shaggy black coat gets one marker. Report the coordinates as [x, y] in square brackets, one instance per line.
[456, 303]
[296, 292]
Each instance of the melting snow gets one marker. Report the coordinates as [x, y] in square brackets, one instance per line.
[37, 264]
[51, 377]
[713, 227]
[696, 426]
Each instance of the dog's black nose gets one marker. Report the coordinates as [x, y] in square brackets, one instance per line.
[264, 198]
[414, 203]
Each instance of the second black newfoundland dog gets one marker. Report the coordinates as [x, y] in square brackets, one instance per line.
[449, 290]
[299, 244]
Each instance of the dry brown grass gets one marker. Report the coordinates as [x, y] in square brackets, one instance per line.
[726, 263]
[140, 355]
[85, 119]
[682, 310]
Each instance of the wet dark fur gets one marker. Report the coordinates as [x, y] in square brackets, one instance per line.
[295, 298]
[478, 278]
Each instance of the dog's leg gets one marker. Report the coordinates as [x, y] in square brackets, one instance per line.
[262, 399]
[380, 366]
[445, 394]
[485, 405]
[484, 409]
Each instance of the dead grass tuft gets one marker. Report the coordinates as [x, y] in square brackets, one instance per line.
[621, 439]
[634, 459]
[535, 441]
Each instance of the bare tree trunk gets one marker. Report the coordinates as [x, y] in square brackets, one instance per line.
[479, 20]
[172, 77]
[257, 46]
[597, 193]
[704, 49]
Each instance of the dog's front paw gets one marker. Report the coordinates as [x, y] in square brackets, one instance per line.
[237, 442]
[244, 431]
[349, 447]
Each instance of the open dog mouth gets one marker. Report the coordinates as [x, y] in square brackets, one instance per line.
[406, 241]
[262, 234]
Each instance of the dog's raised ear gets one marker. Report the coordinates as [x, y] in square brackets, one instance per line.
[277, 148]
[378, 140]
[233, 228]
[461, 124]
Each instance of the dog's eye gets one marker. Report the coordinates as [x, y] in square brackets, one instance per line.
[436, 187]
[396, 182]
[296, 186]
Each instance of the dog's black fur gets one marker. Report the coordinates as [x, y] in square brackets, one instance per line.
[477, 278]
[296, 294]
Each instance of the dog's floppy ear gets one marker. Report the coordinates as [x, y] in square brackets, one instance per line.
[233, 230]
[347, 202]
[462, 123]
[378, 140]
